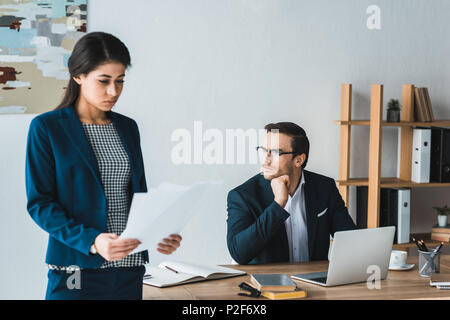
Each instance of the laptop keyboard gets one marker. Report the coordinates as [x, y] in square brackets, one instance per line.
[321, 280]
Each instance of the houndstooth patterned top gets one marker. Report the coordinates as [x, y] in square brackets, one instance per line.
[114, 168]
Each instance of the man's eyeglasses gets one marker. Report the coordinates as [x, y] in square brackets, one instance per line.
[274, 153]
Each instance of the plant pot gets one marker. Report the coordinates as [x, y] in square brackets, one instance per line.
[442, 220]
[393, 115]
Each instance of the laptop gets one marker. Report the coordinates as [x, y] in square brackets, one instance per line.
[354, 256]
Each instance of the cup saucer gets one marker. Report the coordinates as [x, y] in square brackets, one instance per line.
[401, 268]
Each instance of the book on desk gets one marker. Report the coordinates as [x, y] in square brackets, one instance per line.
[440, 280]
[272, 282]
[275, 295]
[276, 286]
[173, 273]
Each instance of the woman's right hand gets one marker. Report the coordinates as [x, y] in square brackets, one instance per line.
[111, 248]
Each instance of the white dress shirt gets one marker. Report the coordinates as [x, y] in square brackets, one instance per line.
[297, 232]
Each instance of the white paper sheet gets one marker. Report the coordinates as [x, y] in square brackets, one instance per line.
[163, 211]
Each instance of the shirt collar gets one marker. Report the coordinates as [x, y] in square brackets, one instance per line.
[299, 188]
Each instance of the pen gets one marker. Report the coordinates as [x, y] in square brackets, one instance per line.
[434, 253]
[422, 248]
[171, 269]
[417, 244]
[421, 245]
[424, 245]
[439, 248]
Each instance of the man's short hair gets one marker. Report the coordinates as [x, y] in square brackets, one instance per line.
[299, 140]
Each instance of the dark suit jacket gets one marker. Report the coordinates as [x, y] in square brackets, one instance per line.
[256, 231]
[63, 185]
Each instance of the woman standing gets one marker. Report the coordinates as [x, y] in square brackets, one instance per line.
[83, 165]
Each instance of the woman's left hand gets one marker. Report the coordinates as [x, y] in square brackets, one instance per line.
[169, 244]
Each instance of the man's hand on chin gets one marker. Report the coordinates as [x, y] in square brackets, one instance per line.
[280, 187]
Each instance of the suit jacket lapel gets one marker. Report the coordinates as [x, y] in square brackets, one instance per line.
[72, 126]
[267, 193]
[310, 206]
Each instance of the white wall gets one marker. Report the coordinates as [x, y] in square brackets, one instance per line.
[241, 64]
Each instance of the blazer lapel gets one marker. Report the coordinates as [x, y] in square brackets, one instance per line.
[267, 193]
[72, 126]
[311, 218]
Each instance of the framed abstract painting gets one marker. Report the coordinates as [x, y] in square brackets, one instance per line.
[36, 40]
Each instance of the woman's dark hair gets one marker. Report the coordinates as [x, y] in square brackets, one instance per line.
[299, 140]
[91, 51]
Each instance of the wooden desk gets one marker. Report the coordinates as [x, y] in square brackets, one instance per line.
[398, 285]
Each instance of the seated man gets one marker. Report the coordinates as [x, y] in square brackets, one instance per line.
[285, 214]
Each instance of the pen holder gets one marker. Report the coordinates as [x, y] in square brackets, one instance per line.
[429, 263]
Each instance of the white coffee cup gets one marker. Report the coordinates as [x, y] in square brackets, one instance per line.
[398, 258]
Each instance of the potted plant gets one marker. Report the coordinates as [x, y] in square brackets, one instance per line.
[393, 111]
[442, 213]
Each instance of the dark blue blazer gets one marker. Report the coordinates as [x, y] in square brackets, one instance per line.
[63, 183]
[256, 231]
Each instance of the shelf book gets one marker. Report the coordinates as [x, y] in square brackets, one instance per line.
[423, 110]
[428, 103]
[172, 273]
[440, 233]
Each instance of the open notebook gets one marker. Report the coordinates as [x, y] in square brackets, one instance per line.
[164, 275]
